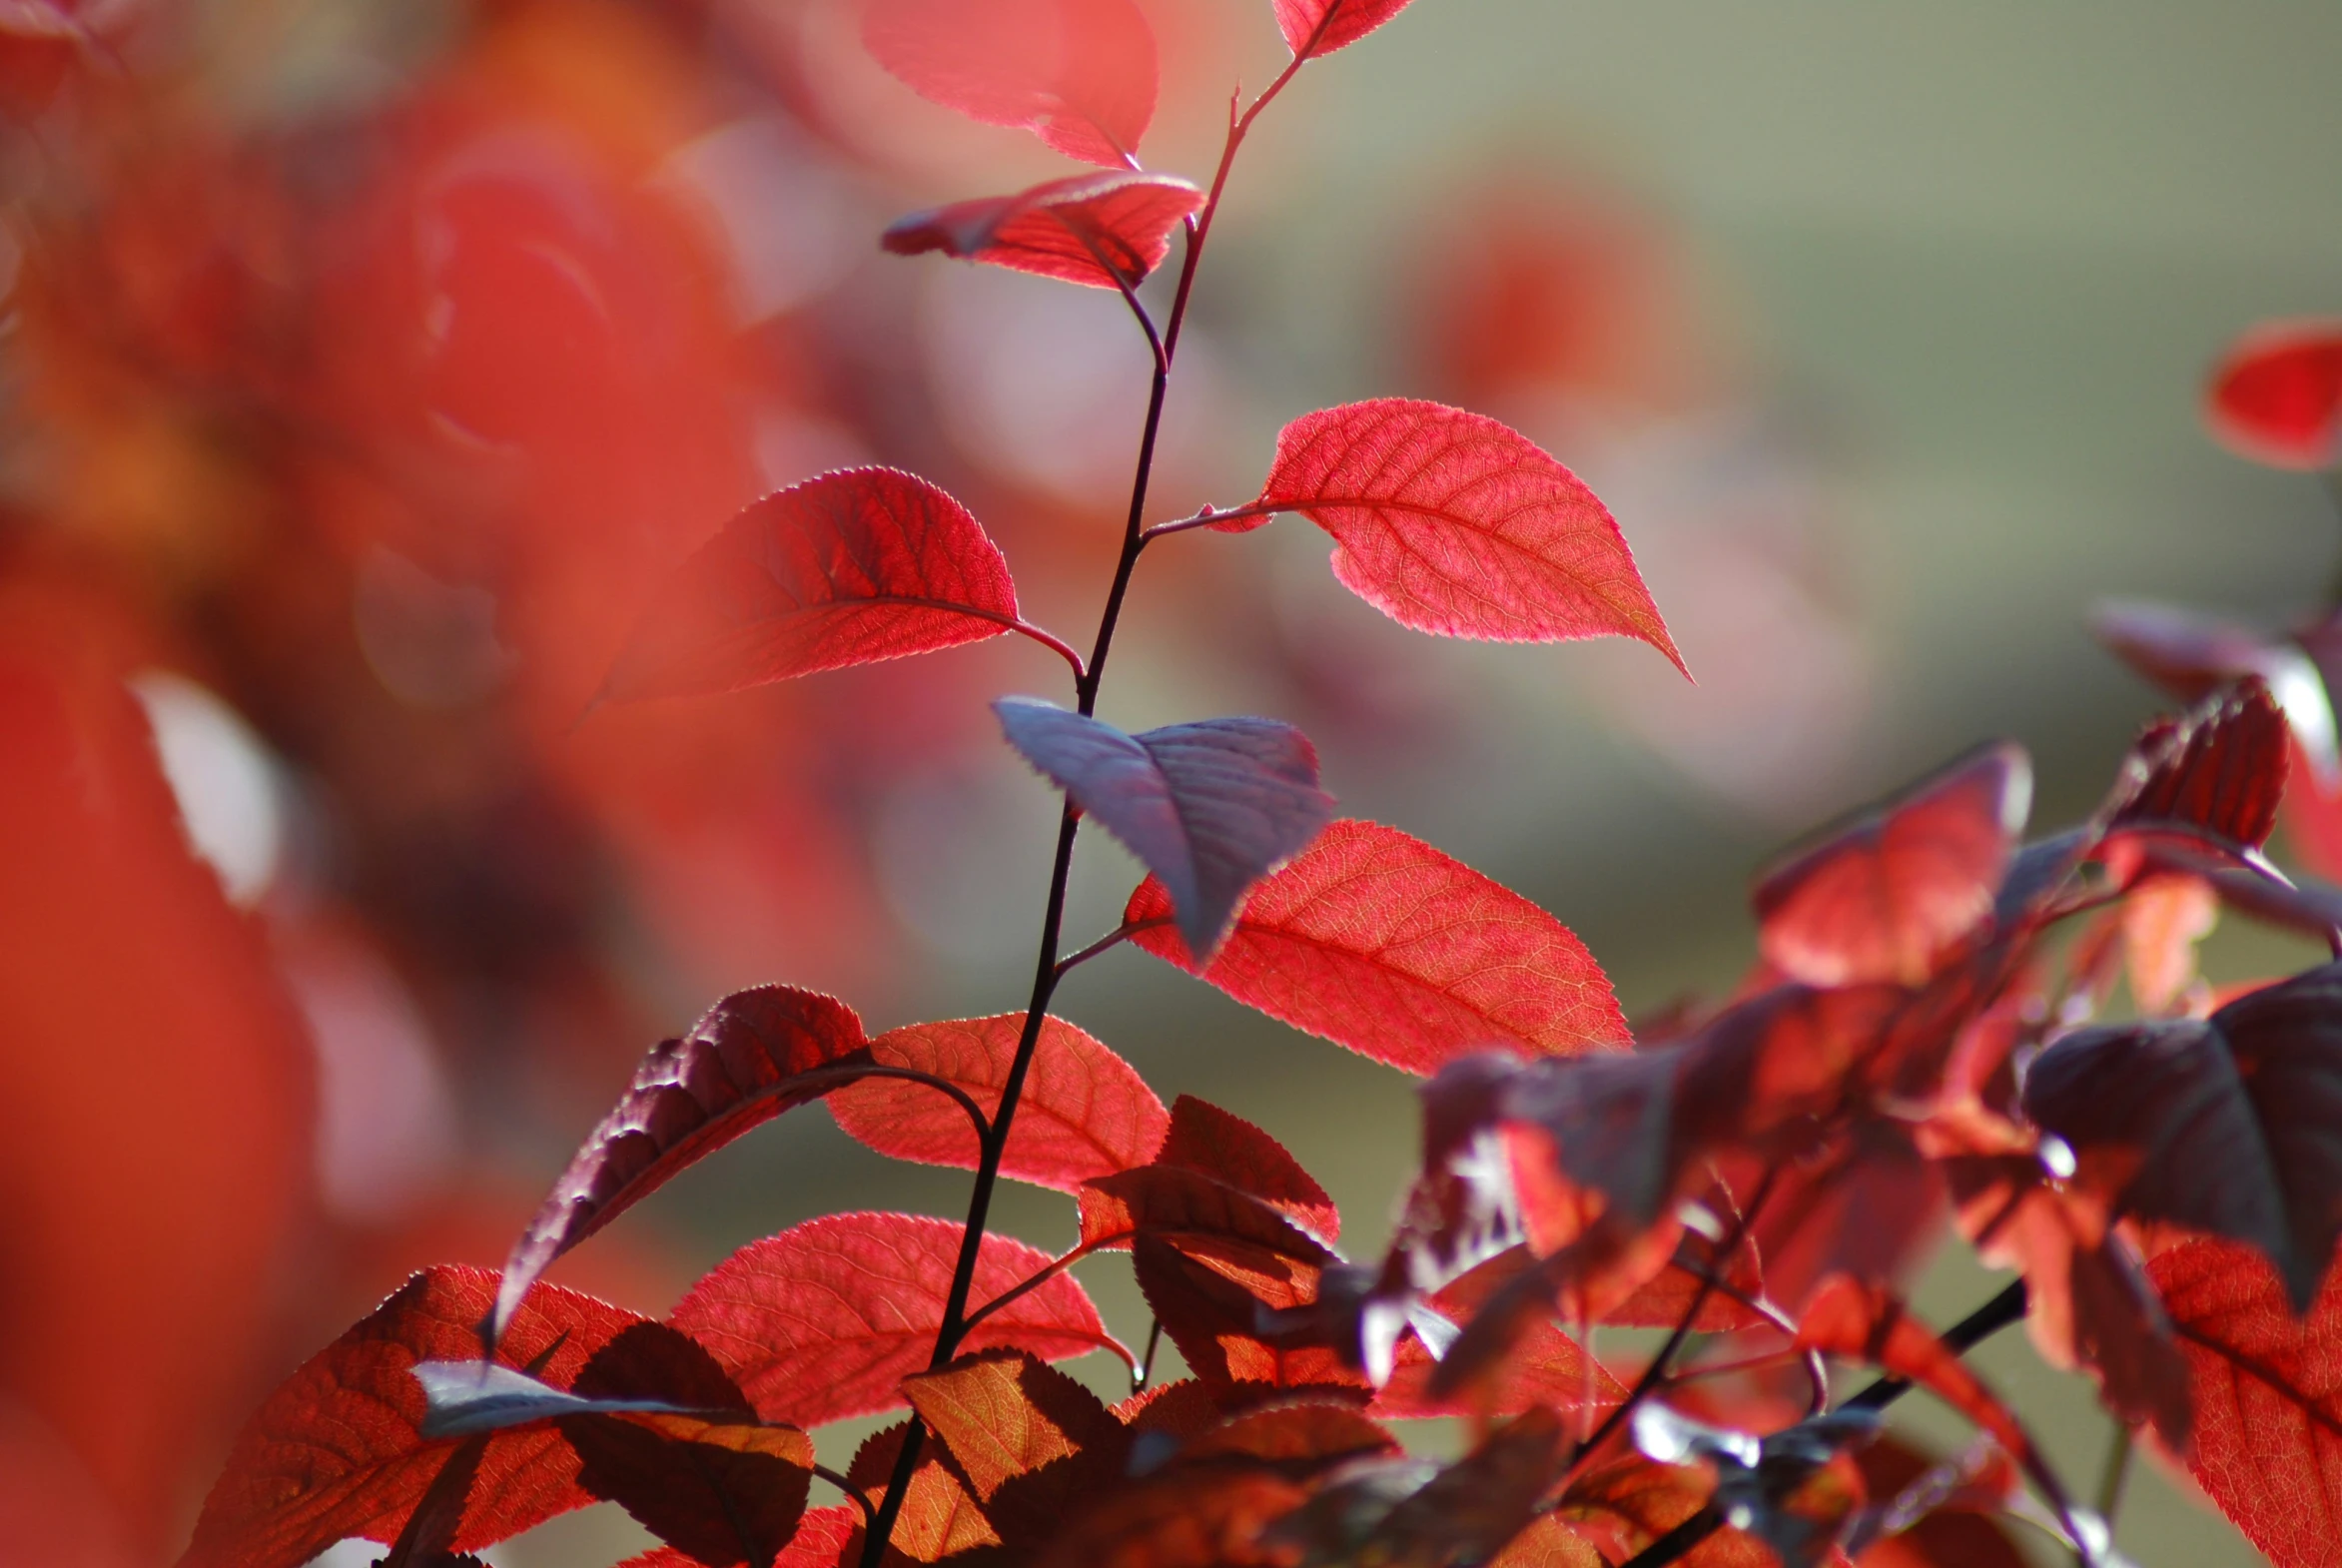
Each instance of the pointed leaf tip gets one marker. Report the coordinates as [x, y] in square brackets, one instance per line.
[1455, 524]
[1209, 807]
[751, 1057]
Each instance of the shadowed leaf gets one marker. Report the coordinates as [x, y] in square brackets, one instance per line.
[1030, 1445]
[752, 1056]
[824, 1321]
[849, 568]
[1189, 1208]
[1449, 522]
[1887, 897]
[1376, 941]
[2230, 1125]
[1208, 808]
[1085, 1111]
[1078, 74]
[338, 1450]
[1232, 1151]
[1868, 1325]
[1092, 228]
[1216, 1306]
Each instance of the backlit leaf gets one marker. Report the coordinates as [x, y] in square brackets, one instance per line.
[2268, 1396]
[1232, 1151]
[1214, 1302]
[1450, 523]
[751, 1057]
[338, 1450]
[1313, 28]
[1092, 228]
[1207, 807]
[2221, 769]
[1032, 1444]
[1190, 1517]
[1085, 1110]
[1189, 1207]
[851, 567]
[2230, 1125]
[824, 1321]
[1887, 896]
[728, 1493]
[1474, 1506]
[1870, 1325]
[1376, 941]
[2276, 395]
[1079, 74]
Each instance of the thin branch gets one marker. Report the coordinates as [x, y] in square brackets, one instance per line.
[1972, 1330]
[853, 1492]
[1146, 1372]
[2110, 1483]
[1036, 1279]
[1657, 1369]
[1106, 943]
[1062, 649]
[1207, 517]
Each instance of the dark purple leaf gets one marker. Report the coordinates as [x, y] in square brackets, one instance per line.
[1210, 807]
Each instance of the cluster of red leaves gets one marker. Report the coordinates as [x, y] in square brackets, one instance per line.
[2171, 1188]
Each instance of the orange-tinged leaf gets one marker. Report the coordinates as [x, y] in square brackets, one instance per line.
[1232, 1151]
[1450, 523]
[751, 1057]
[851, 567]
[1376, 941]
[823, 1321]
[939, 1517]
[1078, 74]
[1315, 28]
[338, 1450]
[1003, 1415]
[1886, 897]
[2268, 1396]
[1214, 1304]
[2162, 920]
[2276, 395]
[1205, 1517]
[1101, 230]
[1543, 1367]
[1085, 1110]
[1631, 1502]
[1468, 1510]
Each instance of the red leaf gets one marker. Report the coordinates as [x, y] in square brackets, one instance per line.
[1316, 28]
[1085, 1111]
[1232, 1151]
[1474, 1506]
[1210, 808]
[337, 1449]
[1200, 1517]
[1543, 1367]
[1376, 941]
[940, 1517]
[2227, 1124]
[2193, 658]
[1632, 1501]
[1450, 523]
[1213, 1306]
[1003, 1415]
[1030, 1442]
[728, 1493]
[1889, 895]
[1299, 1436]
[1865, 1323]
[1092, 228]
[849, 568]
[751, 1057]
[2276, 396]
[1078, 74]
[2221, 769]
[824, 1321]
[1190, 1209]
[2268, 1396]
